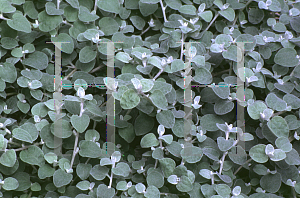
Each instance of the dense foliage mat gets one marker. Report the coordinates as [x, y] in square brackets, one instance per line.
[153, 157]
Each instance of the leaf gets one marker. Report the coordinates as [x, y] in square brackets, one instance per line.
[206, 15]
[150, 1]
[257, 153]
[61, 178]
[229, 14]
[19, 23]
[191, 154]
[8, 158]
[104, 192]
[271, 183]
[184, 185]
[65, 47]
[187, 9]
[51, 9]
[209, 121]
[155, 178]
[121, 169]
[87, 54]
[223, 144]
[138, 22]
[143, 124]
[275, 102]
[149, 140]
[73, 3]
[286, 54]
[112, 6]
[85, 15]
[22, 135]
[99, 172]
[37, 60]
[278, 155]
[8, 72]
[279, 126]
[166, 118]
[89, 149]
[48, 22]
[167, 166]
[152, 191]
[177, 65]
[10, 183]
[255, 109]
[33, 155]
[127, 133]
[147, 9]
[83, 170]
[130, 99]
[80, 123]
[159, 99]
[203, 76]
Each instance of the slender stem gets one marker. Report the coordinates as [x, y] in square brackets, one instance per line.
[294, 193]
[96, 69]
[75, 149]
[81, 108]
[222, 161]
[213, 179]
[182, 41]
[237, 170]
[234, 22]
[2, 17]
[163, 10]
[145, 31]
[158, 74]
[111, 176]
[210, 24]
[95, 6]
[70, 74]
[25, 147]
[156, 162]
[58, 1]
[65, 22]
[278, 113]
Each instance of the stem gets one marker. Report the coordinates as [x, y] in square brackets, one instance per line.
[158, 74]
[242, 166]
[163, 10]
[234, 22]
[25, 147]
[58, 1]
[210, 24]
[182, 40]
[95, 6]
[278, 113]
[222, 161]
[212, 179]
[65, 22]
[75, 149]
[81, 108]
[70, 74]
[96, 69]
[294, 193]
[155, 166]
[145, 31]
[111, 176]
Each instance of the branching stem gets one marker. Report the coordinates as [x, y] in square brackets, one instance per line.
[163, 10]
[222, 161]
[75, 151]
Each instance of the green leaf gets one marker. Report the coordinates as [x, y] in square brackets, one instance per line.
[149, 140]
[275, 102]
[155, 178]
[279, 126]
[278, 155]
[223, 144]
[108, 25]
[143, 124]
[73, 3]
[85, 15]
[22, 135]
[109, 5]
[8, 158]
[177, 65]
[147, 9]
[87, 54]
[209, 121]
[61, 178]
[33, 155]
[37, 60]
[223, 107]
[65, 47]
[257, 153]
[6, 7]
[187, 9]
[203, 76]
[174, 4]
[152, 191]
[80, 123]
[98, 172]
[10, 183]
[138, 22]
[51, 9]
[83, 170]
[271, 183]
[150, 1]
[231, 53]
[9, 43]
[286, 54]
[191, 154]
[8, 72]
[159, 99]
[206, 16]
[167, 166]
[48, 22]
[184, 185]
[166, 118]
[127, 133]
[19, 23]
[255, 109]
[228, 14]
[130, 99]
[104, 192]
[121, 169]
[89, 149]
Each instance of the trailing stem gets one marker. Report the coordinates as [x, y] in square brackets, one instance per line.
[222, 161]
[163, 10]
[75, 151]
[182, 41]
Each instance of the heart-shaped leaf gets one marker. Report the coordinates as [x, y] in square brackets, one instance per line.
[80, 123]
